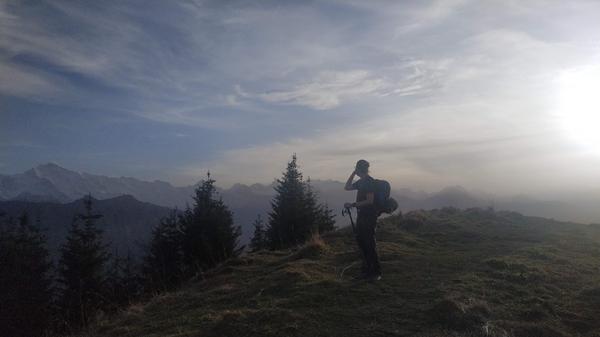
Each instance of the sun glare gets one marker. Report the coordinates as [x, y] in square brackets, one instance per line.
[579, 105]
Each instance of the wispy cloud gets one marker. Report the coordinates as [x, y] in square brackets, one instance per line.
[22, 82]
[433, 13]
[329, 89]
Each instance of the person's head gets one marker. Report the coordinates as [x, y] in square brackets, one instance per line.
[362, 168]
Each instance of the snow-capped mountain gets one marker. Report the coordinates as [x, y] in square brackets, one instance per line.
[50, 182]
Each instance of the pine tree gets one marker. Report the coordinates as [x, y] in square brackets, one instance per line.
[25, 282]
[259, 239]
[296, 213]
[163, 265]
[325, 219]
[209, 235]
[82, 269]
[286, 218]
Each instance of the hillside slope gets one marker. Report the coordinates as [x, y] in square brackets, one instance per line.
[126, 222]
[469, 273]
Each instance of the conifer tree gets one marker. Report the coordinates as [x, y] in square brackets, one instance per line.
[259, 239]
[286, 220]
[163, 265]
[82, 269]
[209, 235]
[296, 213]
[25, 281]
[325, 219]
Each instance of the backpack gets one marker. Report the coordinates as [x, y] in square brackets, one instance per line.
[383, 202]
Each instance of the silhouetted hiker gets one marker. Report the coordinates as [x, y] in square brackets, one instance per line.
[367, 218]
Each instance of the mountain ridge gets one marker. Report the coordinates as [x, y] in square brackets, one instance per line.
[57, 183]
[54, 183]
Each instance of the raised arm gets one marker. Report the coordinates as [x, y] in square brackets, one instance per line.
[349, 186]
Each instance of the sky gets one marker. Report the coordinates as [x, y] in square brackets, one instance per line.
[499, 96]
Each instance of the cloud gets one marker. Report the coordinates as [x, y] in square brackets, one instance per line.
[433, 13]
[190, 116]
[329, 89]
[40, 60]
[25, 34]
[178, 74]
[23, 82]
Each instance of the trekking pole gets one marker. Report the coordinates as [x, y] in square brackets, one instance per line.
[349, 212]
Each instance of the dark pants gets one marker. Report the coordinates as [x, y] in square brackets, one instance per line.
[365, 235]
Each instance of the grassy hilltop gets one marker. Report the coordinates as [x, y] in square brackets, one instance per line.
[446, 273]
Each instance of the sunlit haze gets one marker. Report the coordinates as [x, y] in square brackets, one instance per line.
[498, 96]
[579, 105]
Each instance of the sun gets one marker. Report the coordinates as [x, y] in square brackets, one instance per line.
[579, 105]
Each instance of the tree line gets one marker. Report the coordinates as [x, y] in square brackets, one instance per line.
[38, 297]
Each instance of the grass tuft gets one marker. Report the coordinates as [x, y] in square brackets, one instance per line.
[312, 249]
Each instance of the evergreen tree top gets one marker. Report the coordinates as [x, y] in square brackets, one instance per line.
[295, 212]
[89, 215]
[205, 192]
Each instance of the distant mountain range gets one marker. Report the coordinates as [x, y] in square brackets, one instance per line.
[50, 185]
[50, 182]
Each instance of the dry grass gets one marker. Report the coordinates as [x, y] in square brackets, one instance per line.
[312, 249]
[470, 273]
